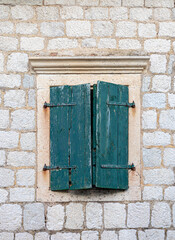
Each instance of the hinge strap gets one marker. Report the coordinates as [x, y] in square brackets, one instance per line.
[45, 168]
[132, 167]
[58, 105]
[124, 104]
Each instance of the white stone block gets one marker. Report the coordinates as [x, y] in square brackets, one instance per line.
[169, 157]
[26, 28]
[28, 141]
[32, 44]
[161, 215]
[96, 13]
[159, 3]
[94, 215]
[110, 3]
[114, 215]
[162, 14]
[149, 119]
[126, 29]
[4, 119]
[75, 216]
[157, 45]
[52, 29]
[167, 119]
[55, 217]
[31, 98]
[171, 99]
[170, 235]
[120, 13]
[152, 157]
[174, 215]
[66, 236]
[8, 43]
[23, 236]
[103, 28]
[146, 83]
[156, 100]
[147, 30]
[6, 27]
[22, 12]
[88, 2]
[107, 43]
[169, 193]
[138, 215]
[158, 63]
[152, 193]
[135, 3]
[4, 12]
[42, 236]
[47, 13]
[161, 83]
[62, 43]
[25, 177]
[6, 236]
[167, 29]
[14, 98]
[129, 44]
[22, 194]
[150, 234]
[73, 12]
[9, 139]
[170, 63]
[23, 120]
[89, 42]
[21, 159]
[140, 14]
[28, 81]
[10, 81]
[78, 28]
[3, 196]
[2, 158]
[159, 176]
[1, 62]
[22, 2]
[11, 217]
[63, 2]
[90, 235]
[156, 138]
[17, 62]
[33, 216]
[127, 235]
[106, 235]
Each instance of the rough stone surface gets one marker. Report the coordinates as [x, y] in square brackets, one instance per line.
[147, 30]
[72, 12]
[2, 157]
[146, 83]
[9, 139]
[93, 215]
[75, 216]
[6, 177]
[129, 44]
[6, 27]
[96, 13]
[161, 215]
[169, 193]
[135, 3]
[171, 235]
[110, 3]
[162, 14]
[152, 193]
[127, 235]
[150, 234]
[34, 216]
[167, 119]
[3, 196]
[171, 99]
[10, 81]
[25, 177]
[156, 138]
[157, 45]
[66, 236]
[89, 42]
[174, 215]
[126, 29]
[107, 43]
[21, 159]
[22, 12]
[17, 62]
[11, 217]
[31, 98]
[28, 141]
[14, 98]
[23, 236]
[62, 43]
[120, 13]
[103, 28]
[82, 29]
[52, 29]
[47, 13]
[22, 194]
[159, 3]
[140, 14]
[1, 62]
[26, 28]
[138, 215]
[90, 235]
[114, 215]
[169, 157]
[23, 119]
[158, 176]
[156, 100]
[158, 63]
[106, 235]
[161, 83]
[4, 12]
[28, 81]
[149, 119]
[152, 157]
[42, 236]
[32, 44]
[4, 119]
[167, 29]
[8, 43]
[6, 236]
[55, 217]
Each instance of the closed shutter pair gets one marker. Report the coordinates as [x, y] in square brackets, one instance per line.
[89, 136]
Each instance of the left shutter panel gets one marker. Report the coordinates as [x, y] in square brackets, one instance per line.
[70, 137]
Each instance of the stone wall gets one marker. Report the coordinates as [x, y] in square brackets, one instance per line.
[86, 28]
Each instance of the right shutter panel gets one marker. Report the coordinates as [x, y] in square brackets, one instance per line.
[111, 136]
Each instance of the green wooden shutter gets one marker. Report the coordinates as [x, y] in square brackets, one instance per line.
[70, 137]
[111, 136]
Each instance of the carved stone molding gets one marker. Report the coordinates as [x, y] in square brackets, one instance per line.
[88, 65]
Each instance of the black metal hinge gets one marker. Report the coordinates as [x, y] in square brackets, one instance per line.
[58, 105]
[124, 104]
[45, 168]
[132, 167]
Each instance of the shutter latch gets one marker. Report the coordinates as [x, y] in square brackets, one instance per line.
[45, 168]
[132, 167]
[124, 104]
[58, 105]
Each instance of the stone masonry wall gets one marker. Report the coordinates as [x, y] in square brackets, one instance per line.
[82, 28]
